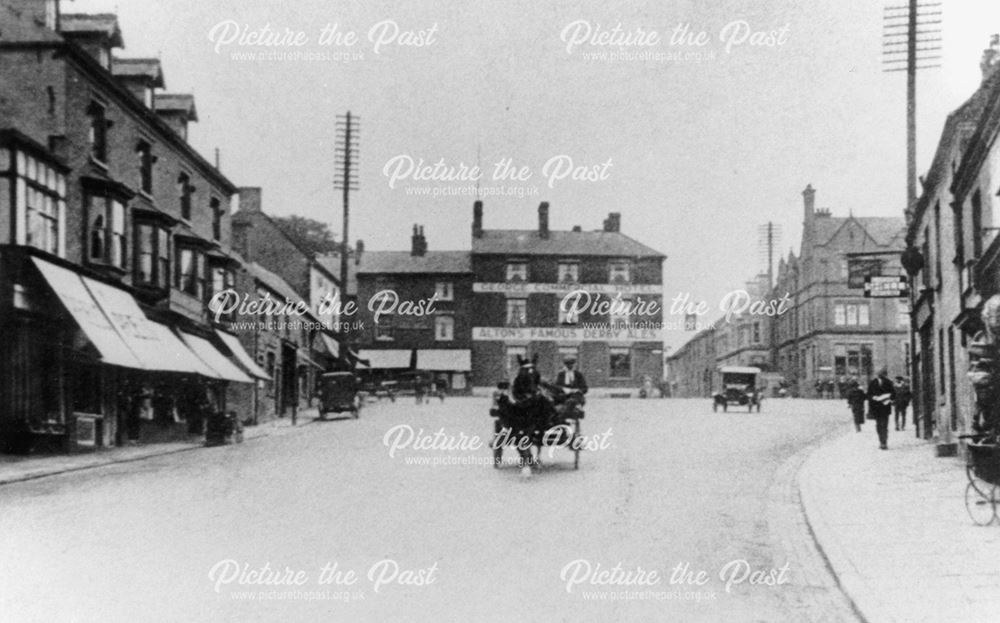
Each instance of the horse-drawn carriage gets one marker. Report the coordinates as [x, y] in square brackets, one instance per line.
[531, 414]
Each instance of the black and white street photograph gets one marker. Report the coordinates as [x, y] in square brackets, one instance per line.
[510, 310]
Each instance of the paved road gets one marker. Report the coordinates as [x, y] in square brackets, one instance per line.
[185, 537]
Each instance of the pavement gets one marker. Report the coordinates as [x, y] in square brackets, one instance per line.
[15, 468]
[894, 529]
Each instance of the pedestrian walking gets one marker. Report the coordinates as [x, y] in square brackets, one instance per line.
[901, 402]
[881, 393]
[856, 402]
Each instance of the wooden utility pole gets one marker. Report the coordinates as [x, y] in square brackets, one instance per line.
[346, 180]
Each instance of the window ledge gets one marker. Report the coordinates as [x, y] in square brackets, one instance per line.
[98, 163]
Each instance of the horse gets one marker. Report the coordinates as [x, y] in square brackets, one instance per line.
[526, 413]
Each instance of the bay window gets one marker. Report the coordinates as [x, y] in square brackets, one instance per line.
[39, 200]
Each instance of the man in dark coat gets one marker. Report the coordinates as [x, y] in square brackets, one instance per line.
[881, 393]
[901, 402]
[570, 379]
[856, 401]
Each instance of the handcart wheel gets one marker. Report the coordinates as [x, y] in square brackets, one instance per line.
[981, 502]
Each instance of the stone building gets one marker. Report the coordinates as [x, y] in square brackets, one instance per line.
[831, 332]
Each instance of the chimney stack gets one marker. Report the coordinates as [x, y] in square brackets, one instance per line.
[418, 244]
[249, 198]
[614, 222]
[543, 219]
[359, 248]
[809, 203]
[477, 219]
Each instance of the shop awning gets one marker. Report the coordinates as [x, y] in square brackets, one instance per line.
[330, 345]
[71, 291]
[389, 358]
[223, 368]
[304, 359]
[439, 360]
[176, 356]
[241, 355]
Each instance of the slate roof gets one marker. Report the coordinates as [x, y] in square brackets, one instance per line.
[105, 23]
[139, 67]
[575, 243]
[397, 262]
[183, 102]
[887, 231]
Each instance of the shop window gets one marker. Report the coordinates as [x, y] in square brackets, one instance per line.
[87, 390]
[620, 364]
[444, 328]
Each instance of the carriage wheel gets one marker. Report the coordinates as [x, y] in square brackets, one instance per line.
[577, 449]
[981, 502]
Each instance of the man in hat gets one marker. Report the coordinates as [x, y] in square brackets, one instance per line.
[569, 378]
[901, 402]
[881, 393]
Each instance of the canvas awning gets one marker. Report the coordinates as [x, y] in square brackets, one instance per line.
[330, 345]
[440, 360]
[241, 356]
[388, 358]
[304, 359]
[216, 361]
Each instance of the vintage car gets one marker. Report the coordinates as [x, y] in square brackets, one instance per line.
[338, 392]
[738, 386]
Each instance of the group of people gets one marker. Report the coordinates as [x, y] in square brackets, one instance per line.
[884, 398]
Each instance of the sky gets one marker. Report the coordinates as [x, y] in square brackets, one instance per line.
[601, 106]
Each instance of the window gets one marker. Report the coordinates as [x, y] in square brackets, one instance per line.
[851, 314]
[852, 360]
[517, 312]
[844, 273]
[184, 191]
[620, 364]
[618, 313]
[106, 231]
[512, 354]
[977, 225]
[569, 272]
[756, 333]
[444, 291]
[384, 327]
[223, 279]
[191, 271]
[216, 207]
[517, 271]
[144, 154]
[444, 328]
[570, 316]
[152, 255]
[618, 272]
[98, 132]
[40, 203]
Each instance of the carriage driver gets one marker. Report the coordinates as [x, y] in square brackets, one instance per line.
[570, 379]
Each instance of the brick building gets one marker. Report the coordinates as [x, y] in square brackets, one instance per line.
[522, 276]
[435, 338]
[690, 369]
[114, 233]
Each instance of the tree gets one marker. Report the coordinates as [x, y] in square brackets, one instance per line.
[313, 236]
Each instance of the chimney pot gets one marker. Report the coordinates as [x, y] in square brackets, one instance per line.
[614, 222]
[418, 244]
